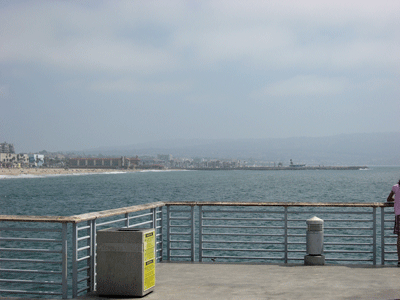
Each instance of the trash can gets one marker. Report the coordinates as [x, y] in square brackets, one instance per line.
[125, 261]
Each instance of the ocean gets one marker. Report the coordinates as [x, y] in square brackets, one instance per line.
[66, 195]
[76, 194]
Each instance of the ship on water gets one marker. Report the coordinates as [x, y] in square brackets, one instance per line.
[292, 165]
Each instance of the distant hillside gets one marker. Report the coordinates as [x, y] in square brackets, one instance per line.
[345, 149]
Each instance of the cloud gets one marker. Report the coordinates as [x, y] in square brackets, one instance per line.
[303, 86]
[152, 36]
[130, 85]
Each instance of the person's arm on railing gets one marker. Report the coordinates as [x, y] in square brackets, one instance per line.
[390, 197]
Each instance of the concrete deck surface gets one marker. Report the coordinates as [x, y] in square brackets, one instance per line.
[254, 281]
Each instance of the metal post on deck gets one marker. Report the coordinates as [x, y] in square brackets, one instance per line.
[193, 243]
[168, 233]
[74, 260]
[64, 254]
[382, 235]
[374, 236]
[200, 233]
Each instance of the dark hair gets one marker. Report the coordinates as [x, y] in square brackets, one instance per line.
[398, 182]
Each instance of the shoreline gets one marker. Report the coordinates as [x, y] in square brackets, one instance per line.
[57, 171]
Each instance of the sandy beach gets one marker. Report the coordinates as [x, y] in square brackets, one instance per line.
[54, 171]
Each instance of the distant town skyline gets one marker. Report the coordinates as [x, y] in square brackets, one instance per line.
[79, 75]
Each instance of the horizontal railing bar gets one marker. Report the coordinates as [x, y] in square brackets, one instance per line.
[180, 233]
[347, 244]
[83, 228]
[110, 222]
[83, 238]
[241, 242]
[30, 240]
[242, 250]
[140, 216]
[232, 226]
[178, 211]
[29, 292]
[332, 212]
[348, 228]
[136, 208]
[346, 251]
[183, 226]
[30, 229]
[185, 249]
[30, 281]
[347, 259]
[278, 204]
[83, 258]
[243, 234]
[180, 218]
[181, 256]
[243, 219]
[183, 241]
[83, 248]
[29, 271]
[140, 224]
[30, 250]
[333, 220]
[244, 257]
[83, 269]
[29, 260]
[83, 289]
[243, 212]
[83, 279]
[357, 236]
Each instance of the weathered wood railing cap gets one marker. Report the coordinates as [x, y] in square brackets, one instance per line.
[283, 204]
[135, 208]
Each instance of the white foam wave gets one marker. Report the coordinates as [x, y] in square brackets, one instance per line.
[23, 176]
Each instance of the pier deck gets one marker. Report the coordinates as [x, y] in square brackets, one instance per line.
[272, 281]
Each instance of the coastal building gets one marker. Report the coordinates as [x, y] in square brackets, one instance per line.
[104, 163]
[12, 160]
[36, 160]
[6, 148]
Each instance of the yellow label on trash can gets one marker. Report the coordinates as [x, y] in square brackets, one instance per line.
[149, 274]
[149, 240]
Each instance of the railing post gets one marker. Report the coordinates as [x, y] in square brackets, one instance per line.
[200, 233]
[374, 236]
[93, 257]
[161, 233]
[168, 233]
[286, 234]
[193, 243]
[64, 253]
[154, 217]
[382, 235]
[74, 260]
[127, 220]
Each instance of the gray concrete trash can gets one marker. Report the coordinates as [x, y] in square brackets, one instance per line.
[125, 261]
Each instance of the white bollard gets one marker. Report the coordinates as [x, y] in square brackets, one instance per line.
[314, 242]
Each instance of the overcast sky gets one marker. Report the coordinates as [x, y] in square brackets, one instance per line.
[83, 74]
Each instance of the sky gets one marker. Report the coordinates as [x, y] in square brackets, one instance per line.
[77, 75]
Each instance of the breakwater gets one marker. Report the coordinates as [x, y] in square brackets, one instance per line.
[284, 168]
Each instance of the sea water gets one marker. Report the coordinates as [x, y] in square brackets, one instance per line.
[67, 195]
[76, 194]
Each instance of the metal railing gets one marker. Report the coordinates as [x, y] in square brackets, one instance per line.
[52, 268]
[56, 256]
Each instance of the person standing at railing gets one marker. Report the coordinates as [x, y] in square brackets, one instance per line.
[396, 192]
